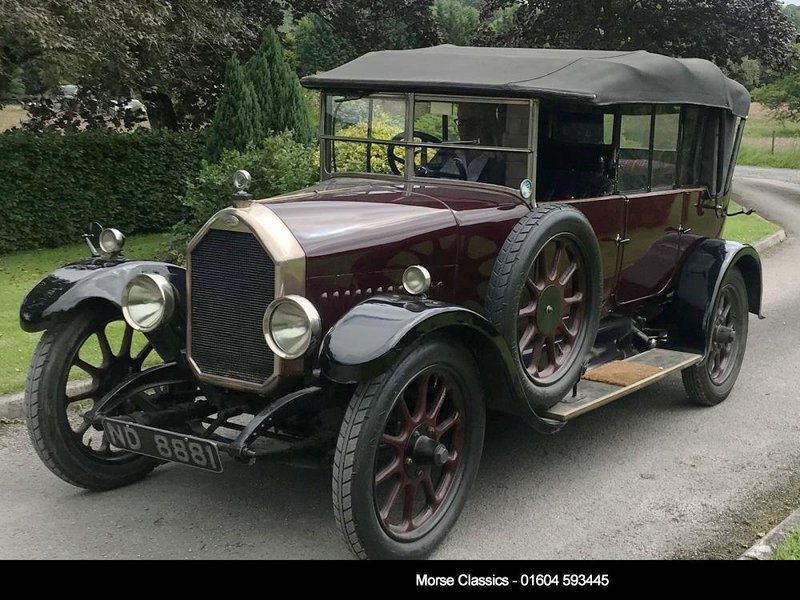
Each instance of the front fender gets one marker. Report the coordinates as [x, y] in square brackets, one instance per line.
[690, 314]
[370, 338]
[96, 278]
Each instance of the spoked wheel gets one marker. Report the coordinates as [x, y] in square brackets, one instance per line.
[552, 309]
[76, 363]
[710, 382]
[407, 453]
[544, 298]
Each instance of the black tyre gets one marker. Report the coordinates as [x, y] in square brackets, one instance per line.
[408, 452]
[708, 383]
[544, 298]
[72, 449]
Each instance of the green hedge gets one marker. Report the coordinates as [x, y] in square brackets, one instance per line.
[52, 185]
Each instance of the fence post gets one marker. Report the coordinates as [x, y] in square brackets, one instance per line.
[773, 142]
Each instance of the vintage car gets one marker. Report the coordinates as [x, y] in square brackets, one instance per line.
[535, 232]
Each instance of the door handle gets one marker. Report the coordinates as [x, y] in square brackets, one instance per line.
[679, 229]
[621, 240]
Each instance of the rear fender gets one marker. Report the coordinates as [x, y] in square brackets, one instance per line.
[689, 317]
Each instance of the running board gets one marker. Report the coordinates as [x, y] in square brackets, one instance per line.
[616, 379]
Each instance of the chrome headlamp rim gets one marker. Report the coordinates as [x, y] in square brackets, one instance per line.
[115, 244]
[313, 320]
[166, 297]
[424, 274]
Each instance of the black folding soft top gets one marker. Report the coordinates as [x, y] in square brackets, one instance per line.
[586, 76]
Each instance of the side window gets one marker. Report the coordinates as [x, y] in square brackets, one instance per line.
[634, 149]
[665, 147]
[692, 125]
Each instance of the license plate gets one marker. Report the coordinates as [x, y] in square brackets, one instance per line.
[175, 447]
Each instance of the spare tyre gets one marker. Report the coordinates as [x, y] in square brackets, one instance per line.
[544, 299]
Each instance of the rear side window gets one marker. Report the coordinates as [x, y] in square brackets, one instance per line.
[648, 148]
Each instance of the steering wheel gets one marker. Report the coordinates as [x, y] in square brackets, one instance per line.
[424, 170]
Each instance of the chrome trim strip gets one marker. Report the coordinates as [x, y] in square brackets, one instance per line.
[290, 278]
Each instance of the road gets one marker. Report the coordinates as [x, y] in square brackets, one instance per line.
[646, 477]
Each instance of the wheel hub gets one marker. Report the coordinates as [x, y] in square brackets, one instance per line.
[548, 311]
[426, 451]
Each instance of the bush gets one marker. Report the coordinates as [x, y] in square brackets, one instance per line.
[52, 185]
[278, 166]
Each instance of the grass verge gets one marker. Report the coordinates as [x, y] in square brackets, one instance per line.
[790, 549]
[19, 272]
[747, 229]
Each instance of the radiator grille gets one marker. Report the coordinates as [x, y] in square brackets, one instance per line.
[232, 283]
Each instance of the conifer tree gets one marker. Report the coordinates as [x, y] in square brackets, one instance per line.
[237, 121]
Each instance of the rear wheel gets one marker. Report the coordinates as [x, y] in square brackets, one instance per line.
[407, 454]
[76, 363]
[711, 381]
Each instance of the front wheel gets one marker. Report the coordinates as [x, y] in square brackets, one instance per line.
[76, 363]
[711, 381]
[408, 452]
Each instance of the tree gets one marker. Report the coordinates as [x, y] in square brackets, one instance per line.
[782, 97]
[238, 117]
[367, 25]
[723, 31]
[278, 91]
[456, 21]
[793, 11]
[318, 47]
[171, 53]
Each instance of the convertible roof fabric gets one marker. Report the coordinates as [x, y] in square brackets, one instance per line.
[586, 76]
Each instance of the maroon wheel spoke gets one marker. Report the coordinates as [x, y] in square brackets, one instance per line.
[568, 274]
[438, 402]
[421, 404]
[536, 355]
[570, 333]
[550, 344]
[534, 288]
[447, 424]
[388, 471]
[409, 504]
[528, 311]
[430, 493]
[405, 414]
[396, 441]
[576, 298]
[559, 253]
[391, 500]
[527, 337]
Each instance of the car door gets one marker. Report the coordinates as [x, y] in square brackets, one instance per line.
[655, 210]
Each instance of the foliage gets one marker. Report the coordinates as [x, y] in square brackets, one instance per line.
[283, 95]
[237, 122]
[789, 549]
[748, 72]
[457, 22]
[367, 25]
[793, 11]
[352, 156]
[54, 184]
[278, 166]
[723, 31]
[318, 47]
[782, 97]
[171, 53]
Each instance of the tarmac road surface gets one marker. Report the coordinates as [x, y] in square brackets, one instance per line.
[644, 477]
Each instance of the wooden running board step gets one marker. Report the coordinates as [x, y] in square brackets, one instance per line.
[616, 379]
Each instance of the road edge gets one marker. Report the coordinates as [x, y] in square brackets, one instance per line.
[770, 241]
[764, 548]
